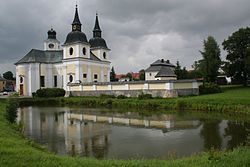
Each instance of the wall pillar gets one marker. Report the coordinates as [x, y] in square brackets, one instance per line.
[169, 86]
[146, 86]
[126, 86]
[195, 85]
[89, 74]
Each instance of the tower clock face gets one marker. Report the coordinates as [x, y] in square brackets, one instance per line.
[51, 45]
[74, 27]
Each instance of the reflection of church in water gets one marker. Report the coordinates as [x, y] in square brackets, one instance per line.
[86, 134]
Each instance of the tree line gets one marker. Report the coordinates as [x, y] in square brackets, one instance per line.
[236, 66]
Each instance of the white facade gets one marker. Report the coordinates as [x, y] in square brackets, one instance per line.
[76, 62]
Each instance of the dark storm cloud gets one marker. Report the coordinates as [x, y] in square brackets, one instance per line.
[138, 31]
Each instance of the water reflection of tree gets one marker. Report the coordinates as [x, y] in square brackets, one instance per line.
[238, 132]
[211, 134]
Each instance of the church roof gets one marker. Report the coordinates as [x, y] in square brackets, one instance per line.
[76, 18]
[76, 36]
[40, 56]
[97, 41]
[2, 78]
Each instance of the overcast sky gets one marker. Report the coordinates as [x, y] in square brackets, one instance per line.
[138, 32]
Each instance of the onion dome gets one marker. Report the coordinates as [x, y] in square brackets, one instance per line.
[51, 34]
[76, 35]
[97, 41]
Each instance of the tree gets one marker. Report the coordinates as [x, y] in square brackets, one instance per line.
[142, 75]
[129, 75]
[177, 70]
[238, 55]
[112, 75]
[8, 75]
[211, 61]
[181, 73]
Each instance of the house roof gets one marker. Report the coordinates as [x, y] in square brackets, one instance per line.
[40, 56]
[166, 72]
[163, 68]
[162, 62]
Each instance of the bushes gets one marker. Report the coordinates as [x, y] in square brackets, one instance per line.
[11, 110]
[106, 96]
[209, 88]
[144, 96]
[50, 92]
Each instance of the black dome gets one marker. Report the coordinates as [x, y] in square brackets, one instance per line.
[98, 42]
[51, 34]
[76, 36]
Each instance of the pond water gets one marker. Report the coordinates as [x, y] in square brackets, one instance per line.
[105, 134]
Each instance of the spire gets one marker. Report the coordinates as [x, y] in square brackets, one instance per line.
[97, 32]
[76, 25]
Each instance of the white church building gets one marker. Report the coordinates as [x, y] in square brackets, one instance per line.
[78, 60]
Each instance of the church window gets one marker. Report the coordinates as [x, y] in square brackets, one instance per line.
[84, 75]
[55, 81]
[51, 45]
[70, 51]
[70, 78]
[42, 81]
[104, 55]
[150, 74]
[84, 51]
[95, 76]
[21, 80]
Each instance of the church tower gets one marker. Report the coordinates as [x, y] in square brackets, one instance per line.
[76, 44]
[51, 43]
[98, 44]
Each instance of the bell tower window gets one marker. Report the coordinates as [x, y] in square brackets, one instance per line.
[71, 51]
[70, 78]
[51, 45]
[104, 55]
[84, 51]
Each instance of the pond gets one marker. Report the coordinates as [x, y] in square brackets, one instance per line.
[106, 133]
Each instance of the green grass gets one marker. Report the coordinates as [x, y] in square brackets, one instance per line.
[15, 150]
[233, 100]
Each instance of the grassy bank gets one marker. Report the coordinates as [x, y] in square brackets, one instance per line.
[15, 150]
[232, 100]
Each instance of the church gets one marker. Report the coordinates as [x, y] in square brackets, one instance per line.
[78, 60]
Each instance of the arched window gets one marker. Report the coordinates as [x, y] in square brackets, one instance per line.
[104, 55]
[70, 51]
[70, 78]
[84, 51]
[21, 80]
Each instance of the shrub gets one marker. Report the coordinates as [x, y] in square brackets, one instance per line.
[50, 92]
[144, 96]
[121, 97]
[209, 88]
[11, 110]
[106, 96]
